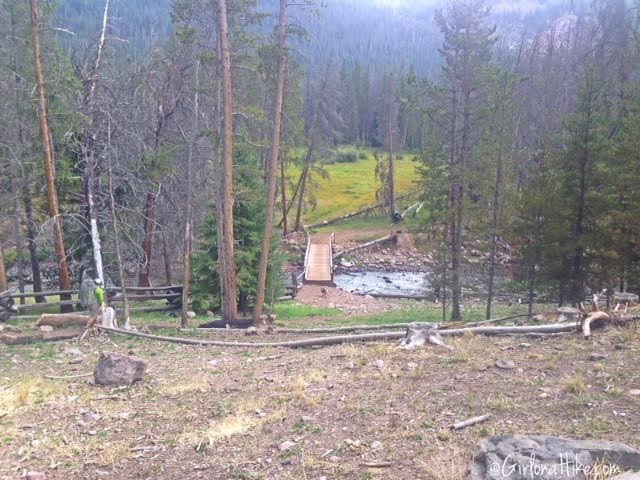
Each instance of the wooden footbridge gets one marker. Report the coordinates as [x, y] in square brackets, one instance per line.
[318, 262]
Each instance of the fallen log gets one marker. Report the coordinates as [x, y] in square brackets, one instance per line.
[470, 422]
[62, 319]
[366, 245]
[26, 338]
[366, 337]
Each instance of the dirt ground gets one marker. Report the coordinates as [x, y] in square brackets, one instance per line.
[347, 302]
[329, 413]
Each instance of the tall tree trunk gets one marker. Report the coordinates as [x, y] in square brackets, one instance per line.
[272, 167]
[454, 171]
[186, 255]
[116, 235]
[391, 180]
[89, 153]
[303, 185]
[17, 235]
[168, 277]
[230, 298]
[3, 270]
[495, 217]
[47, 157]
[31, 242]
[283, 194]
[147, 244]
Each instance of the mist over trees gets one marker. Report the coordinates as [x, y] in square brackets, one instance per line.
[141, 135]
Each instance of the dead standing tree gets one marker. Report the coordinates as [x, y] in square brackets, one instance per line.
[47, 157]
[272, 166]
[224, 185]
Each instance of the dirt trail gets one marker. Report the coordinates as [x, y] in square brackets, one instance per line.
[205, 413]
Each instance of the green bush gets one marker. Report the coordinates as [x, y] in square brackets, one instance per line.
[347, 157]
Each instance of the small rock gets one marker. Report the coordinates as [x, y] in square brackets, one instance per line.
[73, 352]
[334, 459]
[191, 314]
[36, 476]
[635, 392]
[379, 364]
[376, 444]
[524, 345]
[505, 364]
[287, 445]
[598, 357]
[117, 369]
[409, 367]
[76, 361]
[251, 331]
[209, 314]
[305, 418]
[45, 328]
[619, 346]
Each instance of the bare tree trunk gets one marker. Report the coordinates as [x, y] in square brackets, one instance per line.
[391, 181]
[17, 235]
[283, 194]
[3, 272]
[47, 156]
[116, 235]
[272, 167]
[167, 260]
[495, 212]
[230, 299]
[89, 163]
[31, 243]
[19, 174]
[303, 185]
[186, 256]
[147, 244]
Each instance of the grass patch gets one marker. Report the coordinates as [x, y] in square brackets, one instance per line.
[353, 184]
[293, 310]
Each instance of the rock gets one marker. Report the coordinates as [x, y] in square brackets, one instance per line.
[251, 331]
[191, 314]
[334, 459]
[515, 457]
[505, 364]
[634, 392]
[287, 445]
[73, 352]
[36, 476]
[598, 357]
[209, 314]
[627, 476]
[76, 361]
[379, 364]
[376, 444]
[45, 328]
[116, 369]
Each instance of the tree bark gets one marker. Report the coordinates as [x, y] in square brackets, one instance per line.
[116, 234]
[31, 243]
[283, 194]
[391, 180]
[47, 157]
[3, 272]
[147, 244]
[229, 298]
[168, 277]
[272, 167]
[89, 154]
[186, 255]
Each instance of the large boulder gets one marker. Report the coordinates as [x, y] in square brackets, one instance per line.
[519, 457]
[116, 369]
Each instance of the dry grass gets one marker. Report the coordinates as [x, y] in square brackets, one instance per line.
[575, 384]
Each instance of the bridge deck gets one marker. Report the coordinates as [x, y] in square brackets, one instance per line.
[319, 261]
